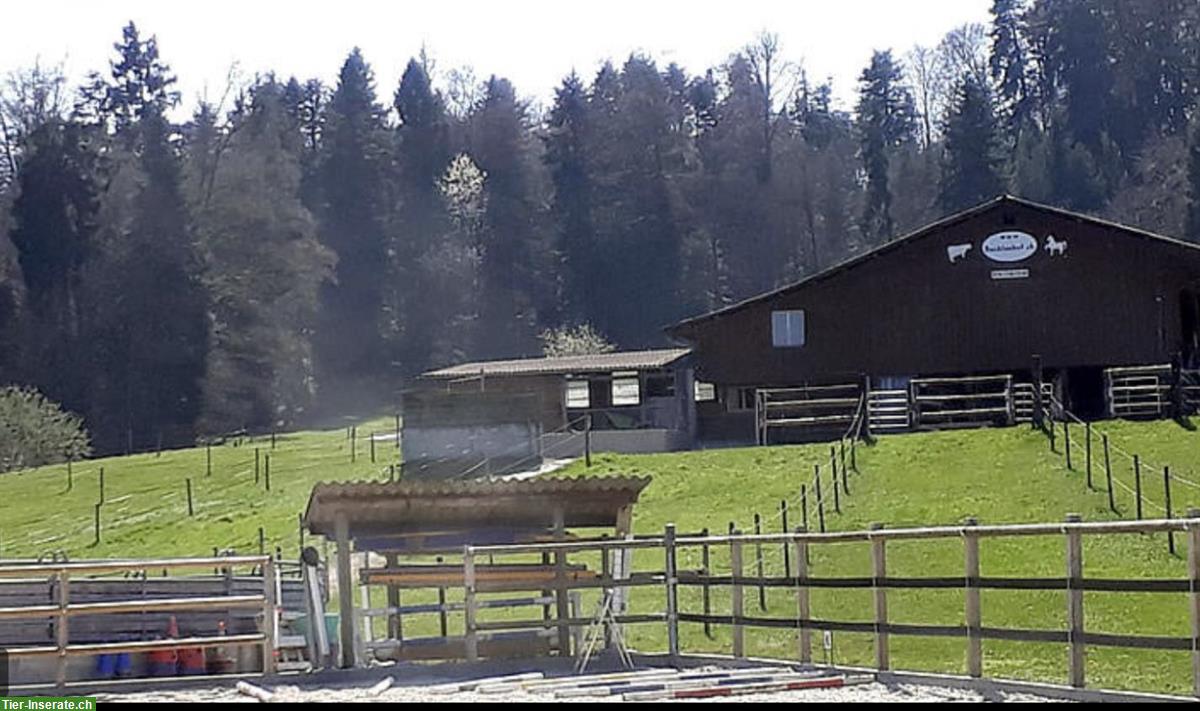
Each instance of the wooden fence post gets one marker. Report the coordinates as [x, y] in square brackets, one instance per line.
[270, 618]
[191, 512]
[804, 506]
[705, 592]
[1039, 411]
[372, 447]
[842, 459]
[672, 579]
[208, 459]
[735, 564]
[61, 633]
[1075, 604]
[833, 466]
[1194, 593]
[878, 575]
[803, 612]
[787, 550]
[397, 430]
[96, 542]
[267, 471]
[1087, 452]
[442, 622]
[1067, 439]
[758, 563]
[256, 466]
[820, 500]
[472, 637]
[1137, 481]
[353, 444]
[1112, 504]
[1167, 497]
[974, 616]
[587, 440]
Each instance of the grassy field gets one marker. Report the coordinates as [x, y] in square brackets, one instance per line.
[999, 476]
[145, 510]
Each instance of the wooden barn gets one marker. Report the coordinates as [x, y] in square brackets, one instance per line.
[953, 323]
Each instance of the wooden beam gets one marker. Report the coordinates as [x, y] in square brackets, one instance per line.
[472, 634]
[879, 572]
[973, 613]
[1075, 604]
[803, 611]
[735, 563]
[345, 591]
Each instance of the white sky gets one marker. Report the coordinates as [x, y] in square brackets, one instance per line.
[532, 42]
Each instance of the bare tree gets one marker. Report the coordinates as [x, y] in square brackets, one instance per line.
[777, 79]
[964, 50]
[927, 75]
[463, 91]
[29, 98]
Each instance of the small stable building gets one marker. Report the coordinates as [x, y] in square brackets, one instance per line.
[493, 417]
[953, 324]
[404, 520]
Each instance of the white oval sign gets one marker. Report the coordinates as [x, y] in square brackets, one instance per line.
[1009, 246]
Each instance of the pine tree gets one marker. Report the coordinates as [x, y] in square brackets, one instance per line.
[138, 83]
[352, 177]
[886, 120]
[567, 143]
[971, 165]
[1008, 62]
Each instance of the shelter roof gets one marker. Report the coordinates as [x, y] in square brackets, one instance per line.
[564, 365]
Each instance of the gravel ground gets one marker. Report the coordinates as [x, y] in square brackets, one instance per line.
[873, 692]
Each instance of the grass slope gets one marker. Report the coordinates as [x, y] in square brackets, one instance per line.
[999, 476]
[145, 510]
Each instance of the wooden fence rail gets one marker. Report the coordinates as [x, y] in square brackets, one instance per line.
[63, 609]
[1073, 584]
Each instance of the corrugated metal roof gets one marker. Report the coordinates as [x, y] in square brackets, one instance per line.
[408, 506]
[600, 362]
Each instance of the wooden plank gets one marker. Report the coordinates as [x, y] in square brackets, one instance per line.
[803, 609]
[671, 590]
[270, 618]
[471, 638]
[61, 628]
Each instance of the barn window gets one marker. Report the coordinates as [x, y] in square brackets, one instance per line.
[625, 389]
[787, 328]
[705, 392]
[660, 385]
[578, 397]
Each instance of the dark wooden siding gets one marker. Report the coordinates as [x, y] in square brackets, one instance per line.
[907, 310]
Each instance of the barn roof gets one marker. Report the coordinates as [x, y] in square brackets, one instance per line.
[679, 328]
[438, 506]
[563, 365]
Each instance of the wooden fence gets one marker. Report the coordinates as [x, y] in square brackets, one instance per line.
[1073, 583]
[62, 610]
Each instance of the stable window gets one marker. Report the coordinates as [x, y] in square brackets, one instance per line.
[578, 396]
[626, 389]
[787, 328]
[660, 385]
[705, 392]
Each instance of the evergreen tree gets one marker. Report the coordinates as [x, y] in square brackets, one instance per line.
[971, 165]
[886, 121]
[1192, 224]
[139, 83]
[1008, 62]
[567, 144]
[352, 177]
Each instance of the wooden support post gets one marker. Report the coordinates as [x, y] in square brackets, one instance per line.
[1137, 484]
[878, 575]
[61, 634]
[208, 459]
[372, 447]
[820, 500]
[395, 624]
[191, 511]
[842, 459]
[783, 527]
[837, 500]
[737, 603]
[96, 542]
[1053, 430]
[442, 604]
[1067, 439]
[262, 541]
[270, 618]
[974, 617]
[1167, 500]
[397, 430]
[1087, 452]
[267, 471]
[672, 579]
[469, 604]
[587, 439]
[257, 475]
[353, 444]
[804, 506]
[705, 592]
[341, 528]
[1194, 593]
[562, 601]
[1075, 604]
[1039, 409]
[803, 611]
[864, 428]
[1112, 504]
[758, 564]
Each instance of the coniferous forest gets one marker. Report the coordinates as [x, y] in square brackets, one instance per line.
[298, 250]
